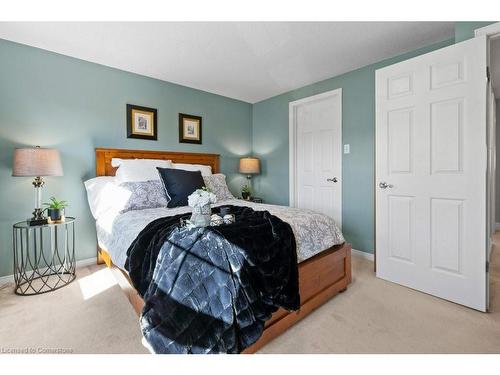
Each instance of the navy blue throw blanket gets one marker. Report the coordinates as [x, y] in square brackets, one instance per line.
[210, 290]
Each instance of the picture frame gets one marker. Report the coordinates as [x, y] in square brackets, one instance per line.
[190, 129]
[142, 122]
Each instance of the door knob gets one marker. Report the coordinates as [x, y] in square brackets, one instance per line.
[335, 179]
[384, 185]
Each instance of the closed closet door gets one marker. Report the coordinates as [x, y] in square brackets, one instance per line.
[316, 154]
[431, 161]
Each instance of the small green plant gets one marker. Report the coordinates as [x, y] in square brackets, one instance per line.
[246, 189]
[55, 204]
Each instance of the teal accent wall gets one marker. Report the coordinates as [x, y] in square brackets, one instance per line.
[56, 101]
[465, 30]
[270, 143]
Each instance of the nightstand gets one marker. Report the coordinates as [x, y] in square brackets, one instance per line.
[44, 256]
[253, 199]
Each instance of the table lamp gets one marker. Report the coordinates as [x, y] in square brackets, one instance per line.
[249, 166]
[37, 162]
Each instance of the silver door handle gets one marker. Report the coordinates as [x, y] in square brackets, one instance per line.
[384, 185]
[335, 179]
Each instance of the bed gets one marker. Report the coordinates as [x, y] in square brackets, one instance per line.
[324, 270]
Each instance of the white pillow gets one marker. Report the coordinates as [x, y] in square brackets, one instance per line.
[134, 170]
[95, 194]
[205, 170]
[104, 196]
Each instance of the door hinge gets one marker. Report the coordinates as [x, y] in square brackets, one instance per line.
[488, 73]
[487, 267]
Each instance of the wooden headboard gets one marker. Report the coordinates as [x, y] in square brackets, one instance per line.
[103, 158]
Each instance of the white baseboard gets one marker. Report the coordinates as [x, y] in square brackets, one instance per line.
[363, 254]
[6, 279]
[79, 263]
[86, 262]
[497, 226]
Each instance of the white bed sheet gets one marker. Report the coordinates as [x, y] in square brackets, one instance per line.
[314, 232]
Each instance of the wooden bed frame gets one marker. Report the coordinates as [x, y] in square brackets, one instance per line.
[320, 277]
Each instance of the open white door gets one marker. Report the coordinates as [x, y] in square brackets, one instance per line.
[316, 154]
[431, 160]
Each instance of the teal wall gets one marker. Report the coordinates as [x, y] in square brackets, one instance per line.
[465, 30]
[51, 100]
[270, 143]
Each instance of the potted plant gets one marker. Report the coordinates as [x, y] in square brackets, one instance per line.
[55, 209]
[245, 192]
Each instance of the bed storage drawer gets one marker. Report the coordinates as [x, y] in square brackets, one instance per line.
[319, 273]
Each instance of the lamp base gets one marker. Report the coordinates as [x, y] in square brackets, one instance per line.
[35, 222]
[38, 218]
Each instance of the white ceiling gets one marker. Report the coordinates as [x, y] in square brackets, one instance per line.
[247, 61]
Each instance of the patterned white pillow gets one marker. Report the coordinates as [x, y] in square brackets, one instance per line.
[217, 184]
[143, 195]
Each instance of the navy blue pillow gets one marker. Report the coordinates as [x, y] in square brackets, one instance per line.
[179, 185]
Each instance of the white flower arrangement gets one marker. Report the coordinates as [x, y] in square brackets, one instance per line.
[201, 197]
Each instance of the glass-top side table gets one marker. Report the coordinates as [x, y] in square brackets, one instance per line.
[44, 256]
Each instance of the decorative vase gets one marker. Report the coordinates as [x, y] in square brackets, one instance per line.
[229, 219]
[216, 220]
[201, 216]
[245, 195]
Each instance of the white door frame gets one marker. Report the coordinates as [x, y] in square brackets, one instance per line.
[292, 127]
[490, 30]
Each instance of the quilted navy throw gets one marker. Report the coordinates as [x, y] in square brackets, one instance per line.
[211, 290]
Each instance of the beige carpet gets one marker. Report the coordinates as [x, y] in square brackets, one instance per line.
[376, 316]
[372, 316]
[91, 315]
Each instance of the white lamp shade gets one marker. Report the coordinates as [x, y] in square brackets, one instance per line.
[36, 162]
[249, 165]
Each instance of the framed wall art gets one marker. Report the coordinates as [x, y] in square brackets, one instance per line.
[142, 122]
[189, 129]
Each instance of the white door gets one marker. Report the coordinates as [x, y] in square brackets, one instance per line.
[316, 154]
[431, 161]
